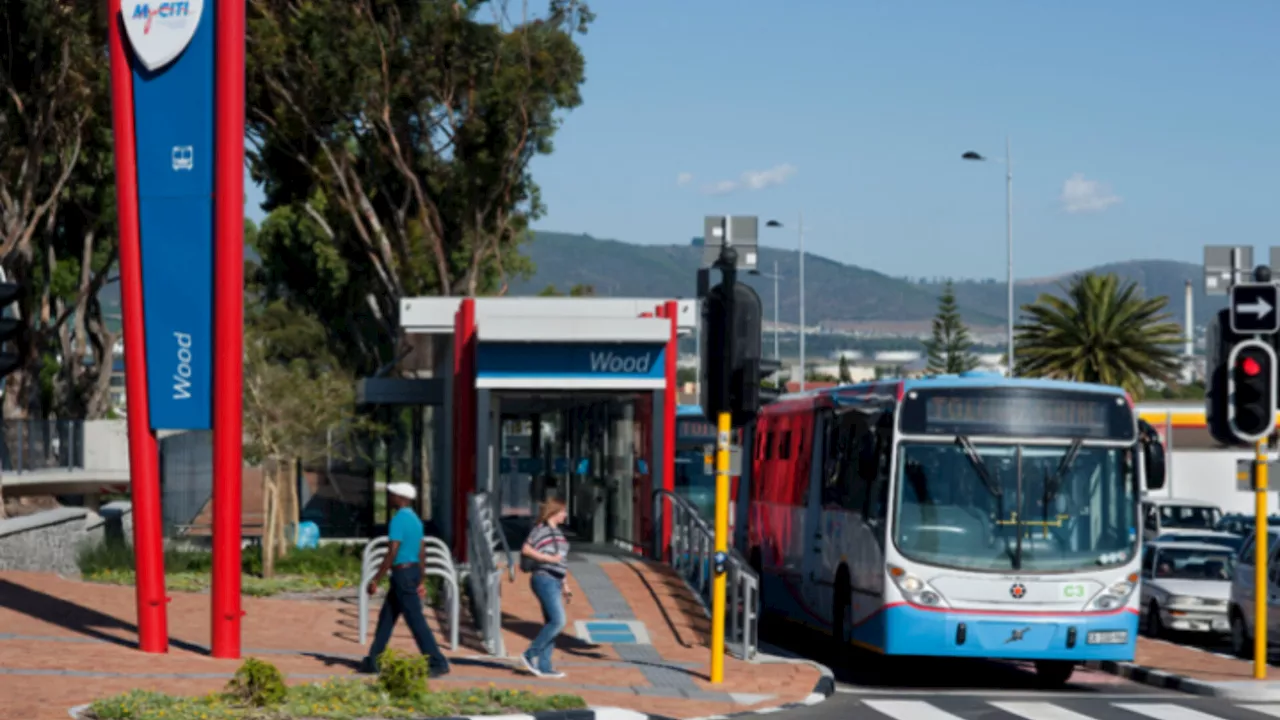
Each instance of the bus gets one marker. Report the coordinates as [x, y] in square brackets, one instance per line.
[965, 515]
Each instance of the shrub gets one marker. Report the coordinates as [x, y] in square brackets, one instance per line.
[258, 683]
[402, 676]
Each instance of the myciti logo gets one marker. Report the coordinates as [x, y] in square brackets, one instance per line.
[160, 31]
[608, 361]
[165, 11]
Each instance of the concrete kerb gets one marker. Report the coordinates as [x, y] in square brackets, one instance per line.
[604, 713]
[1242, 690]
[823, 689]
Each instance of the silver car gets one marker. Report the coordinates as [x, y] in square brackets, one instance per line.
[1186, 587]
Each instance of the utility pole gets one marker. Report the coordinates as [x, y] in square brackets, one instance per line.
[777, 354]
[800, 233]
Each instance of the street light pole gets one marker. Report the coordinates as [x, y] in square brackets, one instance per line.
[1008, 232]
[800, 242]
[777, 355]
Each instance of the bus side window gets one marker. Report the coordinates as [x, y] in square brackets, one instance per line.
[784, 445]
[767, 446]
[1148, 561]
[851, 479]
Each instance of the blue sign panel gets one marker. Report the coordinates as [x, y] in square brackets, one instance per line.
[572, 360]
[174, 114]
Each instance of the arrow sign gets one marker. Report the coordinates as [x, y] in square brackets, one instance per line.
[1253, 309]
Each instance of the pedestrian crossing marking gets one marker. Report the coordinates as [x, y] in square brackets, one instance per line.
[909, 710]
[1271, 710]
[1039, 711]
[1164, 711]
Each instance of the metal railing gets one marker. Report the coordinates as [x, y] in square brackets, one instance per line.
[27, 445]
[693, 555]
[439, 564]
[487, 549]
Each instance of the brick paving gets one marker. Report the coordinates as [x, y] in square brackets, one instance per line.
[1193, 663]
[65, 642]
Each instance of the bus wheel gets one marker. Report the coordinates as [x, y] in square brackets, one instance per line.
[841, 621]
[1054, 673]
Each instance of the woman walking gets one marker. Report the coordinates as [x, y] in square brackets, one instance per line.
[546, 554]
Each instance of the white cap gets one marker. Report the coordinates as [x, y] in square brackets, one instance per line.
[403, 489]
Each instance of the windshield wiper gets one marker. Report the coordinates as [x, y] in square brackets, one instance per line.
[980, 467]
[1068, 459]
[994, 488]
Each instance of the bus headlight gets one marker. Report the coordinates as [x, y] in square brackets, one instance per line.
[916, 591]
[1116, 595]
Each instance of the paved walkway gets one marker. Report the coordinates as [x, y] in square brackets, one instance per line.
[1190, 669]
[637, 638]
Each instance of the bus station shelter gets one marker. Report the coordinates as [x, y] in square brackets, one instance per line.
[548, 396]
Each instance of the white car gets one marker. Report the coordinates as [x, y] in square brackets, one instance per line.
[1242, 602]
[1186, 587]
[1213, 537]
[1160, 515]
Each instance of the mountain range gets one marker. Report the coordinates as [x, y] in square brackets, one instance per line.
[841, 295]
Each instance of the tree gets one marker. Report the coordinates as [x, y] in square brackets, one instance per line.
[295, 394]
[950, 350]
[57, 215]
[398, 136]
[579, 290]
[1101, 331]
[845, 375]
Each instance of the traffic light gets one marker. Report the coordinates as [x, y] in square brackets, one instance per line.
[1219, 341]
[731, 328]
[1251, 373]
[11, 328]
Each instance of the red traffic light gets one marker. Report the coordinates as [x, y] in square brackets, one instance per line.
[1251, 367]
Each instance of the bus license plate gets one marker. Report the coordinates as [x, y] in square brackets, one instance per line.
[1108, 637]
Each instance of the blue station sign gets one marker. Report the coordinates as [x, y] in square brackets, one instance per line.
[172, 59]
[571, 362]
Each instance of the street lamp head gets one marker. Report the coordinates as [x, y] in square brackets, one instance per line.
[773, 223]
[971, 155]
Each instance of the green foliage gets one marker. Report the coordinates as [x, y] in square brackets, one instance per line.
[336, 699]
[846, 376]
[258, 683]
[1191, 391]
[578, 290]
[1103, 331]
[950, 350]
[394, 142]
[402, 676]
[57, 234]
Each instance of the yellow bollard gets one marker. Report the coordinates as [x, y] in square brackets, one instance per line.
[722, 547]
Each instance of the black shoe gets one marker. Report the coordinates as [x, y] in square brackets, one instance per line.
[368, 667]
[438, 671]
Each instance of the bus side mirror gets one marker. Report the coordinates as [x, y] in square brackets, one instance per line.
[1153, 456]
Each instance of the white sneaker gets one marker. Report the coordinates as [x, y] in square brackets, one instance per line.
[553, 674]
[524, 660]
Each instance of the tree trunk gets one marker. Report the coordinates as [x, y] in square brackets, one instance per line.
[281, 510]
[295, 503]
[268, 521]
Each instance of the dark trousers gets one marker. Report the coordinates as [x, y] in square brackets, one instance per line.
[402, 599]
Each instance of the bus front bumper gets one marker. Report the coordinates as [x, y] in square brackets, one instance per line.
[914, 631]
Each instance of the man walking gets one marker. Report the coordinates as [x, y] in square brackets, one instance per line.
[406, 560]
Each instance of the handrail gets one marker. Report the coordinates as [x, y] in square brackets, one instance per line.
[485, 577]
[692, 553]
[439, 564]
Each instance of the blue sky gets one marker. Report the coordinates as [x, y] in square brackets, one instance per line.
[1140, 129]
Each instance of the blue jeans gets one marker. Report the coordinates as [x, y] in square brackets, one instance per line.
[402, 599]
[550, 592]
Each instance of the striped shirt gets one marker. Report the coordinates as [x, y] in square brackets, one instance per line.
[549, 540]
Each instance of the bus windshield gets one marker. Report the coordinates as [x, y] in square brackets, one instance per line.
[1032, 512]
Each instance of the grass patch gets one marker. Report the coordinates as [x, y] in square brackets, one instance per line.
[327, 567]
[256, 693]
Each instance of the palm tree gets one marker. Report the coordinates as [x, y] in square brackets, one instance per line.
[1102, 331]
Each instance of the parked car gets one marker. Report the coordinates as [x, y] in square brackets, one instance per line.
[1213, 537]
[1186, 587]
[1163, 514]
[1242, 524]
[1240, 610]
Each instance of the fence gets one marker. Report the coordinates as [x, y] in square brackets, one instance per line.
[693, 555]
[335, 493]
[485, 540]
[439, 564]
[41, 445]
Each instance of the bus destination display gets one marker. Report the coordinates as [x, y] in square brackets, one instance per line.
[1018, 412]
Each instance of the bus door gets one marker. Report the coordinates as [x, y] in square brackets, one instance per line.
[819, 532]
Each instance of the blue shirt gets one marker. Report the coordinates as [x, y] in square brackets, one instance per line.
[405, 528]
